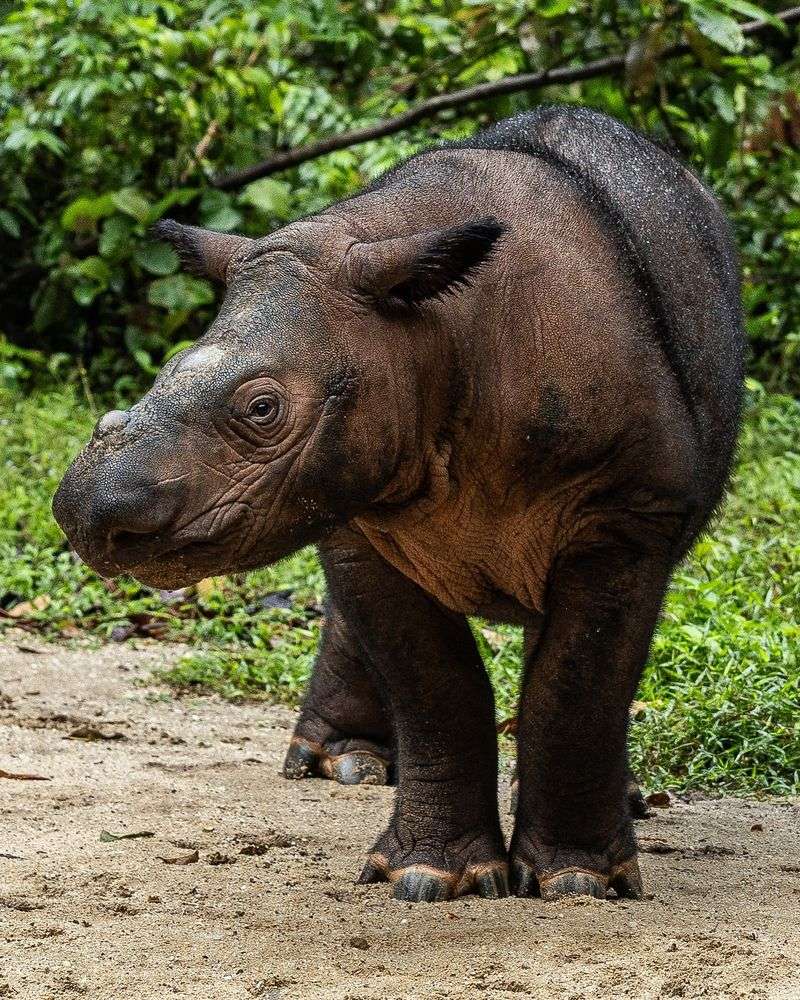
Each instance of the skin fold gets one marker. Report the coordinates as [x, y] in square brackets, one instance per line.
[504, 381]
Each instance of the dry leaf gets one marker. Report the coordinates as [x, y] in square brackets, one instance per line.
[209, 585]
[653, 845]
[218, 858]
[184, 859]
[508, 726]
[109, 838]
[27, 608]
[22, 777]
[92, 735]
[495, 639]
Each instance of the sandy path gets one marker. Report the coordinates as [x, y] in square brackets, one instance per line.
[83, 918]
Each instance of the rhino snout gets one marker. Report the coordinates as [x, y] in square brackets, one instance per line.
[113, 518]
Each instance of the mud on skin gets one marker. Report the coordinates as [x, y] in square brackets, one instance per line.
[503, 381]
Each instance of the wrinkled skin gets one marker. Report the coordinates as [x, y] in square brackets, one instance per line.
[504, 381]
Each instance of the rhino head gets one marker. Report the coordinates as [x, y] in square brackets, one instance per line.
[319, 391]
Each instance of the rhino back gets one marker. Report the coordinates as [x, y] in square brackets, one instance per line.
[676, 244]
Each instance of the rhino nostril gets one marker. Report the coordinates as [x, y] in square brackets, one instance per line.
[123, 538]
[114, 420]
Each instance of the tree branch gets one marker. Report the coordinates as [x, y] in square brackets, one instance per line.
[608, 66]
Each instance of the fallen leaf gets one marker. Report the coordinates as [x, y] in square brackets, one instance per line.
[184, 859]
[26, 608]
[507, 726]
[254, 850]
[217, 858]
[29, 649]
[210, 585]
[22, 777]
[110, 838]
[659, 800]
[92, 735]
[142, 624]
[649, 845]
[495, 639]
[13, 857]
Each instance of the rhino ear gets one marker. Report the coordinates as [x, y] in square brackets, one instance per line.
[409, 270]
[201, 251]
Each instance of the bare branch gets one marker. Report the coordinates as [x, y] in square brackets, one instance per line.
[608, 66]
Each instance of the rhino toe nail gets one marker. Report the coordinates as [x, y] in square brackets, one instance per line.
[524, 879]
[493, 883]
[370, 874]
[360, 767]
[573, 883]
[637, 805]
[301, 760]
[627, 880]
[421, 887]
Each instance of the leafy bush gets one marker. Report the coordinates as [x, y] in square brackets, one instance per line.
[113, 114]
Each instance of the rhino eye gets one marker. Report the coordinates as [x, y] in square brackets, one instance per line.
[263, 409]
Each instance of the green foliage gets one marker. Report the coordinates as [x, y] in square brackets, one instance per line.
[721, 693]
[115, 114]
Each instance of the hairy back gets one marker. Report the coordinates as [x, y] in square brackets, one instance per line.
[677, 245]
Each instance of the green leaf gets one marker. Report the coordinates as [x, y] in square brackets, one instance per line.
[718, 28]
[84, 212]
[93, 268]
[752, 10]
[9, 223]
[115, 236]
[269, 196]
[133, 203]
[217, 211]
[223, 221]
[180, 196]
[157, 258]
[724, 103]
[180, 291]
[553, 8]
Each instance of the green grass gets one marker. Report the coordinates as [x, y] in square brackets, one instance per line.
[721, 692]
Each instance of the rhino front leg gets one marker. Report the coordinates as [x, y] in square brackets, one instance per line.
[444, 838]
[573, 833]
[344, 731]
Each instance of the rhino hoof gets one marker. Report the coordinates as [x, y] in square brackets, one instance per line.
[422, 887]
[359, 767]
[573, 883]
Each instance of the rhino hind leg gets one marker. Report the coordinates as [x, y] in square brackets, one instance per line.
[573, 828]
[343, 733]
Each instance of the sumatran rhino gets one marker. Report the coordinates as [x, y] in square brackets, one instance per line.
[502, 381]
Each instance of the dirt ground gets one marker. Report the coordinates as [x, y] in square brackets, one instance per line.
[270, 910]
